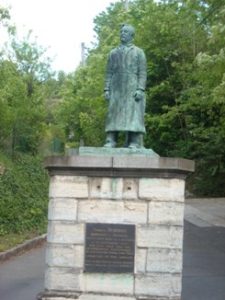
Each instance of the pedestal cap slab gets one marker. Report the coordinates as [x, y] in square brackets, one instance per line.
[119, 163]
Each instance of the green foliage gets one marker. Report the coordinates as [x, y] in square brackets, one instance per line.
[21, 124]
[184, 44]
[5, 19]
[23, 196]
[31, 61]
[23, 94]
[82, 112]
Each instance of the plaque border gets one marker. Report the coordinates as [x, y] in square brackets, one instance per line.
[107, 270]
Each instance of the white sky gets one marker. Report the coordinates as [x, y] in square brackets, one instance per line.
[61, 25]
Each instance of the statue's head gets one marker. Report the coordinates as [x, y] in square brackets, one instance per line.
[126, 33]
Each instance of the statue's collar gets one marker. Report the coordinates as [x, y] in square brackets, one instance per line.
[126, 45]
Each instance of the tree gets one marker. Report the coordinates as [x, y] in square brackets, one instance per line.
[23, 70]
[31, 61]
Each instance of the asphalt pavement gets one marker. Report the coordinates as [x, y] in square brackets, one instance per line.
[22, 277]
[203, 263]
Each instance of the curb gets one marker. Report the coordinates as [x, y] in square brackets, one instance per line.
[27, 245]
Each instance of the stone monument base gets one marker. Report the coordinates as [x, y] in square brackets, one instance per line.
[90, 296]
[134, 207]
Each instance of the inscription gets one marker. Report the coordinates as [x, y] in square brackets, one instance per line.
[109, 248]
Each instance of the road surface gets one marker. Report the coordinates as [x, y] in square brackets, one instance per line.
[22, 277]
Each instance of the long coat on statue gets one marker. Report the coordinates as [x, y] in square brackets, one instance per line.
[125, 74]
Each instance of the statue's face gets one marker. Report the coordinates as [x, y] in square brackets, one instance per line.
[126, 35]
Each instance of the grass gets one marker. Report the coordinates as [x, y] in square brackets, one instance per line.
[11, 240]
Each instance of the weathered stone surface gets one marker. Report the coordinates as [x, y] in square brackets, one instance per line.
[63, 279]
[77, 161]
[100, 211]
[159, 164]
[109, 211]
[56, 298]
[68, 186]
[109, 283]
[62, 209]
[159, 189]
[65, 233]
[106, 188]
[153, 205]
[130, 188]
[158, 298]
[158, 236]
[62, 255]
[104, 297]
[164, 260]
[120, 162]
[140, 260]
[135, 211]
[59, 298]
[58, 295]
[166, 213]
[163, 285]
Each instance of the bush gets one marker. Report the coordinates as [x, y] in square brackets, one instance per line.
[23, 196]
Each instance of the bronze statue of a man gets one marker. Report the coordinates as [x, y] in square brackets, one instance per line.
[125, 91]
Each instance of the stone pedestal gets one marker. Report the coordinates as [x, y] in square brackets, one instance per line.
[147, 192]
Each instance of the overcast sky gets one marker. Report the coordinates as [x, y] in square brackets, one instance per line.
[60, 24]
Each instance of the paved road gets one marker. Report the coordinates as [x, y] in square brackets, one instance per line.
[204, 263]
[205, 212]
[22, 278]
[204, 249]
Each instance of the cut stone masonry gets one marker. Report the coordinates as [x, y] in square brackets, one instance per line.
[146, 192]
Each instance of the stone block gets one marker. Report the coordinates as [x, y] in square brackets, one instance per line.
[158, 236]
[58, 295]
[106, 188]
[104, 297]
[62, 209]
[62, 255]
[130, 188]
[63, 279]
[164, 260]
[105, 211]
[110, 211]
[158, 298]
[140, 260]
[135, 212]
[109, 283]
[77, 162]
[166, 213]
[56, 298]
[65, 233]
[68, 186]
[159, 189]
[158, 285]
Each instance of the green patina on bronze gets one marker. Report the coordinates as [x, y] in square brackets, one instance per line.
[124, 89]
[102, 151]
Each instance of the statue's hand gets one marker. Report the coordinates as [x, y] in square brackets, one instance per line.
[139, 95]
[107, 95]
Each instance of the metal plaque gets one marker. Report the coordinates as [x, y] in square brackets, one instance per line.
[109, 248]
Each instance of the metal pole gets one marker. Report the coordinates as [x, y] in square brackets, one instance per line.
[82, 54]
[126, 5]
